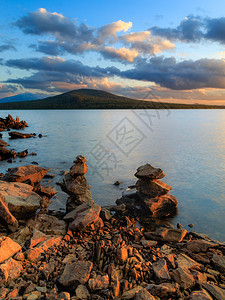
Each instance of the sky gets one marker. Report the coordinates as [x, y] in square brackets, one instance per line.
[171, 51]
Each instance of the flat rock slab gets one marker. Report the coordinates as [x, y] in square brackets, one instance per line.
[21, 200]
[76, 273]
[167, 235]
[219, 262]
[185, 261]
[29, 174]
[200, 245]
[152, 188]
[160, 269]
[10, 270]
[183, 277]
[215, 291]
[20, 135]
[34, 254]
[83, 215]
[160, 207]
[8, 248]
[148, 171]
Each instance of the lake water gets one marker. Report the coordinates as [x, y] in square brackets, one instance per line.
[189, 145]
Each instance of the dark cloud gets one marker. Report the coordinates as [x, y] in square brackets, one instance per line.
[7, 47]
[185, 75]
[215, 29]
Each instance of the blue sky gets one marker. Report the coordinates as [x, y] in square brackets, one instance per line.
[162, 50]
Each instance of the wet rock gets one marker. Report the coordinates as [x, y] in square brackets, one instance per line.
[22, 153]
[6, 154]
[34, 254]
[199, 295]
[21, 200]
[160, 269]
[152, 188]
[20, 135]
[166, 235]
[76, 273]
[3, 144]
[8, 248]
[183, 277]
[6, 215]
[99, 282]
[160, 207]
[214, 290]
[219, 262]
[28, 173]
[200, 245]
[10, 270]
[82, 292]
[83, 215]
[148, 171]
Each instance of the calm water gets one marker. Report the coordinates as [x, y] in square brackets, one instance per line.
[189, 145]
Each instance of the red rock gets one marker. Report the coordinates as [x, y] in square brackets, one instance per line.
[20, 135]
[183, 277]
[6, 215]
[167, 235]
[36, 238]
[152, 188]
[122, 254]
[34, 253]
[148, 171]
[77, 272]
[199, 295]
[79, 168]
[185, 261]
[10, 270]
[8, 248]
[99, 282]
[165, 290]
[200, 245]
[160, 269]
[143, 295]
[30, 173]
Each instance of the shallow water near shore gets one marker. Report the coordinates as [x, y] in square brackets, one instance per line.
[189, 145]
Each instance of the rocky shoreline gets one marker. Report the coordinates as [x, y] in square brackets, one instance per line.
[94, 252]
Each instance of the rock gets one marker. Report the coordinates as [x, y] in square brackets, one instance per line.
[185, 261]
[76, 200]
[6, 216]
[21, 235]
[8, 248]
[83, 215]
[99, 282]
[63, 296]
[79, 168]
[46, 191]
[199, 277]
[200, 245]
[9, 122]
[116, 183]
[214, 290]
[166, 235]
[131, 293]
[3, 144]
[22, 153]
[75, 273]
[37, 237]
[143, 295]
[147, 171]
[152, 188]
[105, 214]
[161, 206]
[73, 186]
[165, 290]
[49, 224]
[20, 135]
[219, 262]
[34, 254]
[6, 154]
[10, 270]
[82, 292]
[28, 173]
[199, 295]
[148, 244]
[122, 254]
[183, 277]
[160, 269]
[21, 200]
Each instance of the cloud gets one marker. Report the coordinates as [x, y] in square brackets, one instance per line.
[185, 75]
[119, 54]
[215, 29]
[7, 90]
[7, 47]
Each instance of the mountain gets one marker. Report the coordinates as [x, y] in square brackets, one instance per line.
[22, 97]
[95, 99]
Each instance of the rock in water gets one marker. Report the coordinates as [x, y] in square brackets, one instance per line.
[22, 202]
[148, 171]
[152, 188]
[20, 135]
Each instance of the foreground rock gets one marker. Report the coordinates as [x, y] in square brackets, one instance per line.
[9, 122]
[21, 201]
[30, 174]
[20, 135]
[8, 248]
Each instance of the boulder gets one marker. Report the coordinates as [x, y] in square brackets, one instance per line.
[8, 248]
[29, 174]
[200, 245]
[83, 215]
[76, 273]
[10, 270]
[21, 200]
[219, 262]
[73, 186]
[143, 295]
[148, 171]
[166, 235]
[6, 154]
[76, 200]
[152, 188]
[82, 292]
[214, 290]
[21, 236]
[6, 216]
[183, 277]
[160, 269]
[79, 168]
[161, 206]
[99, 282]
[165, 290]
[36, 238]
[20, 135]
[185, 261]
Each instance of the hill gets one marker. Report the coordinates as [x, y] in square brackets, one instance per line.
[21, 97]
[96, 99]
